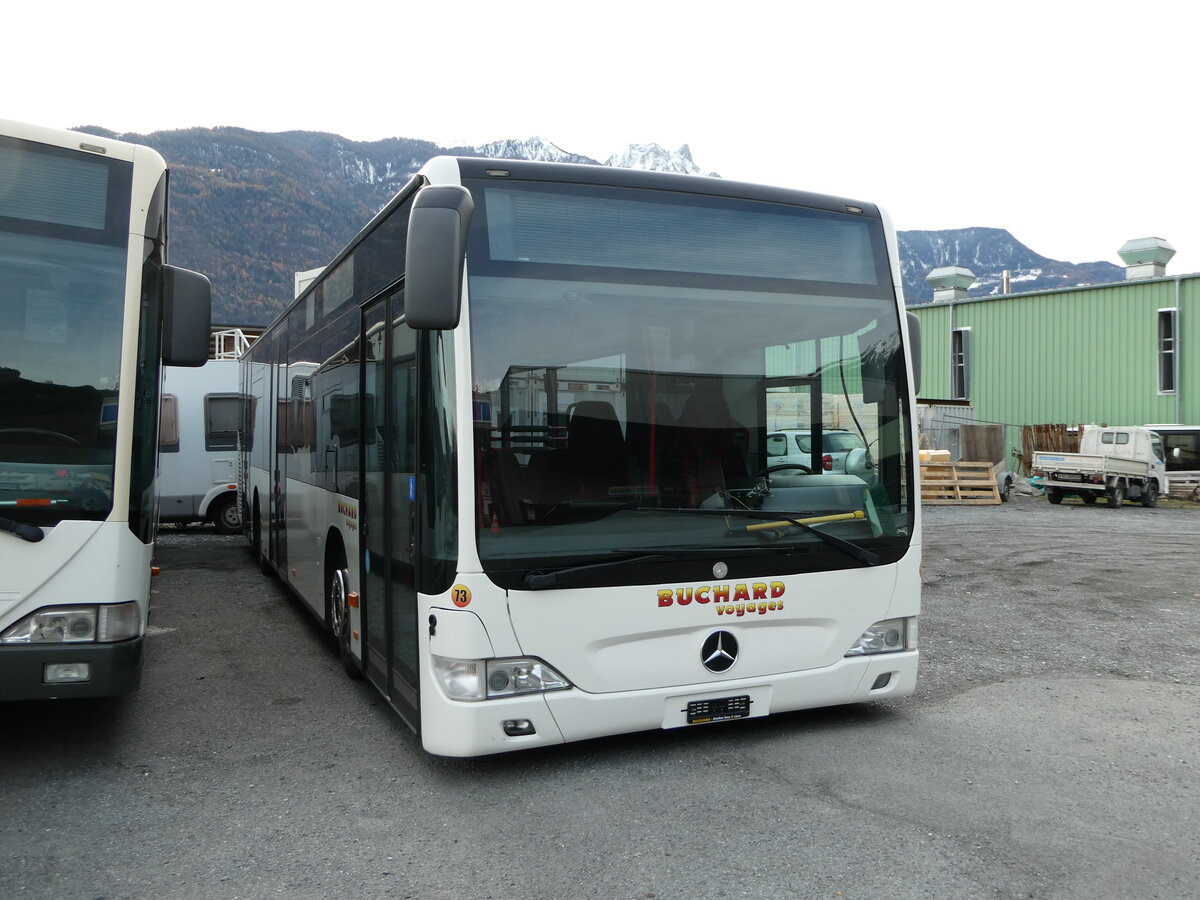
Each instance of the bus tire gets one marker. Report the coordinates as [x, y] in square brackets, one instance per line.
[224, 513]
[256, 541]
[337, 615]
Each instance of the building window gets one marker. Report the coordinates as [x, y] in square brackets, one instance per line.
[960, 364]
[1166, 350]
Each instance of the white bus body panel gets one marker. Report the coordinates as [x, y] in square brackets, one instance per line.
[635, 665]
[75, 563]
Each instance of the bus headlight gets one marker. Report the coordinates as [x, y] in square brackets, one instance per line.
[506, 677]
[888, 636]
[77, 625]
[118, 622]
[461, 679]
[479, 679]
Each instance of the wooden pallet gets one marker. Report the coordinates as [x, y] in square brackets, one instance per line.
[961, 483]
[1184, 485]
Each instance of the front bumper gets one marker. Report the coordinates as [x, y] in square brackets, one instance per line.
[115, 669]
[453, 728]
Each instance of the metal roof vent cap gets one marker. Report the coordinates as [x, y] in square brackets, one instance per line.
[950, 282]
[1146, 257]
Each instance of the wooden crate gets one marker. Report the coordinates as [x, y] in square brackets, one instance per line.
[962, 483]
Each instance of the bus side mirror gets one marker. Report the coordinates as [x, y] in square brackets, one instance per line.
[433, 260]
[914, 343]
[187, 317]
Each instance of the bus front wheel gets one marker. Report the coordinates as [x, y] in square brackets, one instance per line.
[337, 617]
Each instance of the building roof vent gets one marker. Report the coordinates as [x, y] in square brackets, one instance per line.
[1146, 257]
[950, 283]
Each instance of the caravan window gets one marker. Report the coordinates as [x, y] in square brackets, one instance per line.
[222, 413]
[168, 425]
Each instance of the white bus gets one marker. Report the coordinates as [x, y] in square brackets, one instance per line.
[197, 443]
[512, 448]
[88, 308]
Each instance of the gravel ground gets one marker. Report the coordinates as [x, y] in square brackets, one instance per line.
[1050, 752]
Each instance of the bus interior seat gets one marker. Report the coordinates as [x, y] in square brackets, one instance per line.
[596, 447]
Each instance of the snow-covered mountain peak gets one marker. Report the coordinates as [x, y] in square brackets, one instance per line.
[535, 148]
[654, 158]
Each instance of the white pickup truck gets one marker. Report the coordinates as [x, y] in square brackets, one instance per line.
[1119, 463]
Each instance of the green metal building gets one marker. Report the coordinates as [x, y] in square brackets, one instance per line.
[1117, 353]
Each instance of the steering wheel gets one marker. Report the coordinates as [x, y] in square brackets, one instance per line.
[782, 467]
[44, 434]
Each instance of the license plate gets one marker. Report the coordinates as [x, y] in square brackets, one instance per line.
[722, 709]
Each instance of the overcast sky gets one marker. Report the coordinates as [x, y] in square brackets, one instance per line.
[1067, 123]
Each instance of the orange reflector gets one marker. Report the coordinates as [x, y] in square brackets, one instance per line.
[352, 600]
[33, 501]
[155, 571]
[232, 487]
[355, 633]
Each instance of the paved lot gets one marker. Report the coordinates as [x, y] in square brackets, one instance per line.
[1051, 751]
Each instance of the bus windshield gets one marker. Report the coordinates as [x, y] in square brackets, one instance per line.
[63, 251]
[633, 353]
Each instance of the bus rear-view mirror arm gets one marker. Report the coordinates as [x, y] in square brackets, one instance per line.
[187, 317]
[433, 270]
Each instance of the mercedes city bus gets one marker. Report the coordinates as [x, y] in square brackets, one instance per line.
[512, 448]
[88, 309]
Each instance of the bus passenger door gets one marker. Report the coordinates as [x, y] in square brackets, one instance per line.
[389, 500]
[277, 516]
[375, 562]
[402, 465]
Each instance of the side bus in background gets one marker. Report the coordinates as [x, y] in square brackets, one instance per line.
[89, 309]
[513, 447]
[197, 443]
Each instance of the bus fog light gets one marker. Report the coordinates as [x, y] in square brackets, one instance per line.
[66, 673]
[888, 636]
[54, 625]
[522, 676]
[461, 679]
[518, 727]
[119, 622]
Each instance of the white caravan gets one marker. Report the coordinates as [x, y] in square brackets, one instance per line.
[197, 463]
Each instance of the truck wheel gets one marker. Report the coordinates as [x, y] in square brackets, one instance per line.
[1005, 489]
[1054, 495]
[1150, 495]
[1088, 497]
[1116, 496]
[225, 513]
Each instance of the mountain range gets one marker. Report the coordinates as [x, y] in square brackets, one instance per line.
[249, 209]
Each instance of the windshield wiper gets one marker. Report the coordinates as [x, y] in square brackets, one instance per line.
[25, 532]
[540, 580]
[775, 520]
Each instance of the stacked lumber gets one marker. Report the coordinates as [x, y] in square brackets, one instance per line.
[1184, 485]
[962, 483]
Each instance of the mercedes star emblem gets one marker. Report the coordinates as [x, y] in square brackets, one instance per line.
[719, 651]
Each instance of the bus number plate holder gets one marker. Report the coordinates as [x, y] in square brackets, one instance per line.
[721, 709]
